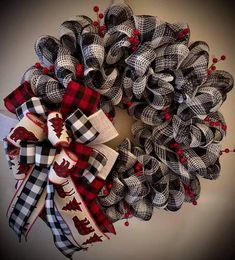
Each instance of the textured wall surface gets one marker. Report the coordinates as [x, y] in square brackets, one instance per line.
[196, 233]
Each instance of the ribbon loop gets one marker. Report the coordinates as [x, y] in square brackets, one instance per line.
[96, 162]
[83, 130]
[34, 105]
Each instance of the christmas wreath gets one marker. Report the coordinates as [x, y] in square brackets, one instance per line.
[64, 108]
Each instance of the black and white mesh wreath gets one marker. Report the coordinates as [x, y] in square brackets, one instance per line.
[135, 62]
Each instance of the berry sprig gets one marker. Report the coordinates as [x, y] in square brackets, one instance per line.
[183, 33]
[214, 61]
[97, 23]
[79, 71]
[134, 40]
[138, 169]
[227, 150]
[190, 194]
[179, 151]
[215, 123]
[45, 70]
[167, 115]
[108, 188]
[127, 214]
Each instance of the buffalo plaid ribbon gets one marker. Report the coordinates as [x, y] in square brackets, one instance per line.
[80, 96]
[18, 96]
[28, 199]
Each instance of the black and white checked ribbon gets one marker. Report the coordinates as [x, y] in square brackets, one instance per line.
[58, 226]
[28, 199]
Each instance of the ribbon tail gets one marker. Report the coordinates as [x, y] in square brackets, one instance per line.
[27, 201]
[66, 247]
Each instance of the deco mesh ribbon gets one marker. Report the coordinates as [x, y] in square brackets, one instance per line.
[135, 62]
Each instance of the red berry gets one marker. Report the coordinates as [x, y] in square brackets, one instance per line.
[109, 185]
[101, 15]
[79, 67]
[213, 67]
[226, 150]
[95, 23]
[215, 60]
[96, 8]
[51, 68]
[191, 194]
[37, 65]
[126, 223]
[209, 71]
[207, 119]
[45, 70]
[212, 124]
[136, 41]
[186, 30]
[110, 118]
[223, 57]
[194, 202]
[131, 39]
[220, 153]
[133, 48]
[224, 127]
[167, 116]
[182, 159]
[106, 192]
[136, 32]
[138, 174]
[129, 103]
[138, 166]
[102, 28]
[175, 145]
[180, 35]
[179, 151]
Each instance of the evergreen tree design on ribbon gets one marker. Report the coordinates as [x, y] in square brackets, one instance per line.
[93, 239]
[72, 205]
[57, 124]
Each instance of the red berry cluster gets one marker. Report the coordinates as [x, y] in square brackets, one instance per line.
[227, 150]
[215, 123]
[182, 34]
[138, 169]
[214, 61]
[134, 40]
[79, 71]
[178, 150]
[167, 115]
[108, 188]
[190, 194]
[96, 23]
[129, 104]
[45, 70]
